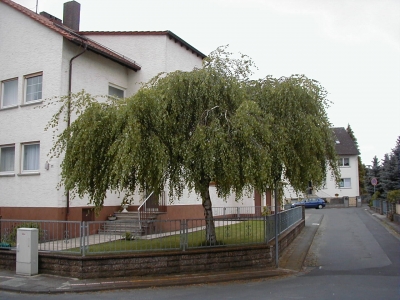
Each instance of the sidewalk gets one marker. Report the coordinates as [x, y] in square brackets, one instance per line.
[42, 283]
[392, 227]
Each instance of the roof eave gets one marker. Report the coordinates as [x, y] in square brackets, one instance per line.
[185, 44]
[123, 62]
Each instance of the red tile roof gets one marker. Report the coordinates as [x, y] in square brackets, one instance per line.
[76, 38]
[168, 33]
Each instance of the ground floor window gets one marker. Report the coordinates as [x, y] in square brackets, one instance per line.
[345, 183]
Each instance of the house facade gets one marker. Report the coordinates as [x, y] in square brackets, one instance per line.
[43, 57]
[348, 165]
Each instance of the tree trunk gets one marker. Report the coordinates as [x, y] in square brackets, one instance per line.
[211, 236]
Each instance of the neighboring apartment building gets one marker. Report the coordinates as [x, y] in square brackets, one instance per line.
[348, 165]
[42, 57]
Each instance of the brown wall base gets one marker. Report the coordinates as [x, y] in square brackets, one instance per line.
[56, 213]
[141, 264]
[174, 212]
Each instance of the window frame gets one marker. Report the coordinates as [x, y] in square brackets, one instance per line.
[113, 86]
[342, 183]
[26, 78]
[8, 172]
[23, 151]
[14, 104]
[341, 162]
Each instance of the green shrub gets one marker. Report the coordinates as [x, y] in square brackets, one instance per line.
[393, 196]
[376, 195]
[12, 237]
[266, 211]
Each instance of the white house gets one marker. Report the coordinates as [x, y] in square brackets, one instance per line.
[348, 164]
[42, 57]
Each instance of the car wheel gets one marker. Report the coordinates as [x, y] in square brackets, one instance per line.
[320, 206]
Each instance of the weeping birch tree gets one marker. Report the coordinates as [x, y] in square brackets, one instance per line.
[189, 129]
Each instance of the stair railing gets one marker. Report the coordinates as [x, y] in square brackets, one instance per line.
[142, 209]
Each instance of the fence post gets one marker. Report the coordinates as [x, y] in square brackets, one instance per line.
[82, 238]
[183, 239]
[266, 229]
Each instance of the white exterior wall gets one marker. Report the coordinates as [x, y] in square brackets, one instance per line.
[331, 188]
[179, 58]
[40, 49]
[191, 198]
[31, 47]
[94, 74]
[28, 48]
[346, 172]
[154, 53]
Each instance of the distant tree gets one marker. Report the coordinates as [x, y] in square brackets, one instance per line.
[373, 171]
[390, 174]
[188, 129]
[361, 166]
[396, 156]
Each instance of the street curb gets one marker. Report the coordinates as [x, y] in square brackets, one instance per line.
[105, 284]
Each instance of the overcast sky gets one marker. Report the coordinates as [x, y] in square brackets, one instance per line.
[352, 47]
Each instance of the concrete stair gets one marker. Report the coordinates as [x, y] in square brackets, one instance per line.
[128, 222]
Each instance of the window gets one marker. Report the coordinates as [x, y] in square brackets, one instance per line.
[7, 158]
[345, 183]
[33, 88]
[344, 162]
[30, 157]
[115, 92]
[9, 95]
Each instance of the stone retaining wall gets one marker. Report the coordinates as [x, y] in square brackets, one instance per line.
[166, 262]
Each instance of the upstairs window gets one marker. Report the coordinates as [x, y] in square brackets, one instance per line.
[30, 157]
[345, 183]
[9, 94]
[33, 88]
[7, 158]
[344, 162]
[115, 92]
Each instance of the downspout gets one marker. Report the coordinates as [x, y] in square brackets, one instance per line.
[69, 111]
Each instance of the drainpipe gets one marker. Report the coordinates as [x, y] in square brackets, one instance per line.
[69, 110]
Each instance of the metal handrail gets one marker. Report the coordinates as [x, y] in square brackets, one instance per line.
[141, 205]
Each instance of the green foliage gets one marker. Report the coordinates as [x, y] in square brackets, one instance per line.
[187, 129]
[376, 195]
[387, 172]
[11, 238]
[393, 196]
[128, 236]
[301, 147]
[373, 172]
[266, 211]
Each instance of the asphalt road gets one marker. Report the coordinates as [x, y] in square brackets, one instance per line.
[352, 256]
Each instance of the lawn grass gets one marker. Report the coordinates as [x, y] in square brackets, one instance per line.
[236, 233]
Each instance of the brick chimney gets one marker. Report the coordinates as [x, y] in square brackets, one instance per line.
[72, 15]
